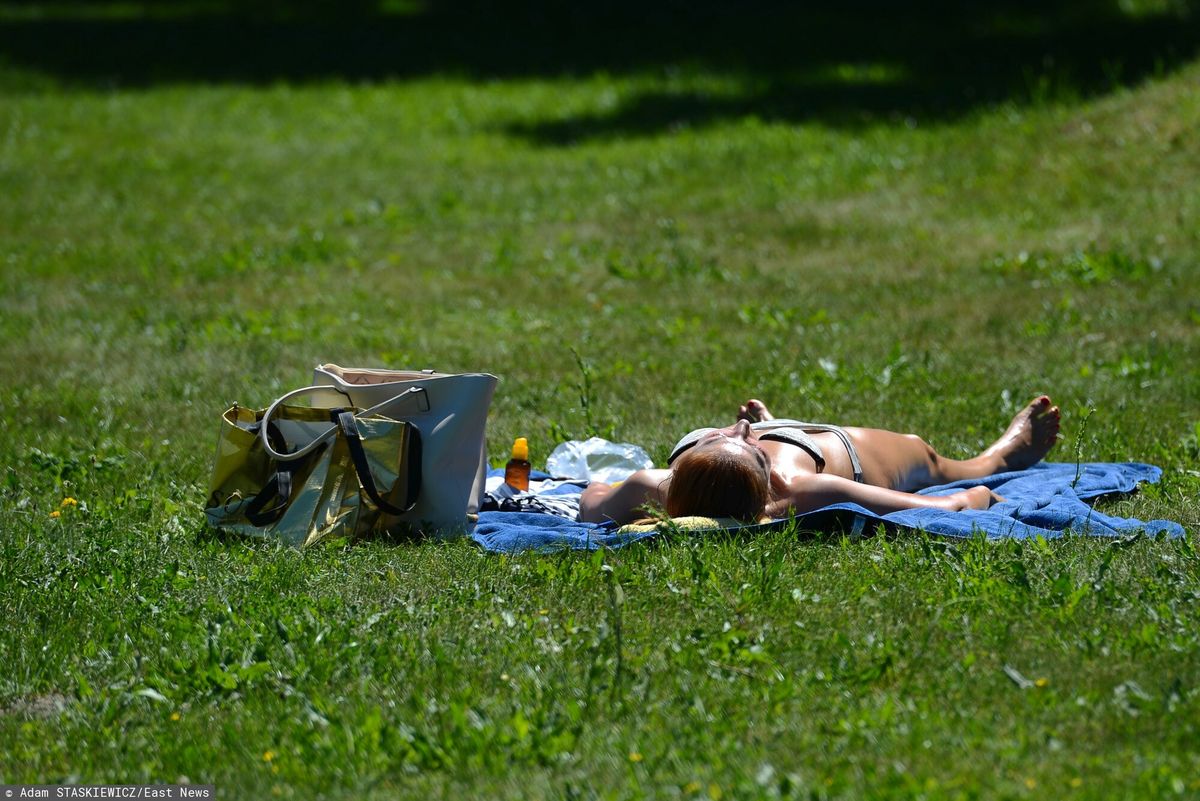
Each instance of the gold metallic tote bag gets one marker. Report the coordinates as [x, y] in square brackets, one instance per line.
[305, 474]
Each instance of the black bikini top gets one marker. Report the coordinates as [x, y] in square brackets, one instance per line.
[789, 434]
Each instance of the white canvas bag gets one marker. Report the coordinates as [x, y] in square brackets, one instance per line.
[450, 411]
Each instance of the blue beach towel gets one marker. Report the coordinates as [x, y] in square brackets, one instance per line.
[1045, 500]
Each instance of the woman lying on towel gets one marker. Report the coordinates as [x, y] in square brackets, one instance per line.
[763, 468]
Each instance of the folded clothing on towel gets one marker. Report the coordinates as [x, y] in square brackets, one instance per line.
[1046, 499]
[546, 495]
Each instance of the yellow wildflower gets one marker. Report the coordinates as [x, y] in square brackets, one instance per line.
[68, 501]
[1042, 683]
[55, 514]
[268, 756]
[634, 756]
[175, 716]
[1031, 783]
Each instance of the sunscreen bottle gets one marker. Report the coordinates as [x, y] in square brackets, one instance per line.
[516, 472]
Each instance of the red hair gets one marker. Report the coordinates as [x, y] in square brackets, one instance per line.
[717, 482]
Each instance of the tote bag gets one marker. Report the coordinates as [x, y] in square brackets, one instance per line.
[450, 412]
[304, 474]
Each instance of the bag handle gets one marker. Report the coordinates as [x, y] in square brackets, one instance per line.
[418, 393]
[310, 447]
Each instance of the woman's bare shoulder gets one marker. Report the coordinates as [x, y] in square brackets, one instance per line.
[621, 501]
[653, 476]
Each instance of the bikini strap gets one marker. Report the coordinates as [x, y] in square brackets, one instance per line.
[688, 441]
[792, 432]
[790, 435]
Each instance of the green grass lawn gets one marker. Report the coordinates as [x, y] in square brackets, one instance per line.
[637, 230]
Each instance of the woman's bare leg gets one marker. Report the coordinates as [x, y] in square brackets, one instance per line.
[906, 462]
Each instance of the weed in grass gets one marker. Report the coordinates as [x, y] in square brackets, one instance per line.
[587, 407]
[616, 598]
[1078, 449]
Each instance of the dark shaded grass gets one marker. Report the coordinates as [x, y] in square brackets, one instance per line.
[838, 63]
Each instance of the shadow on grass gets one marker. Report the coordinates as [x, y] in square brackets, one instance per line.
[838, 62]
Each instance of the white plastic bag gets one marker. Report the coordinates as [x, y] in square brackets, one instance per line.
[597, 459]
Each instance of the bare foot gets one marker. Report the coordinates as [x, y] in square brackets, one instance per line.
[1029, 437]
[754, 411]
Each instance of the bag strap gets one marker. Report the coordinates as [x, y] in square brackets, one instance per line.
[307, 449]
[349, 428]
[278, 489]
[418, 395]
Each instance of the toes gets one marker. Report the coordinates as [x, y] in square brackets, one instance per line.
[1045, 411]
[753, 410]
